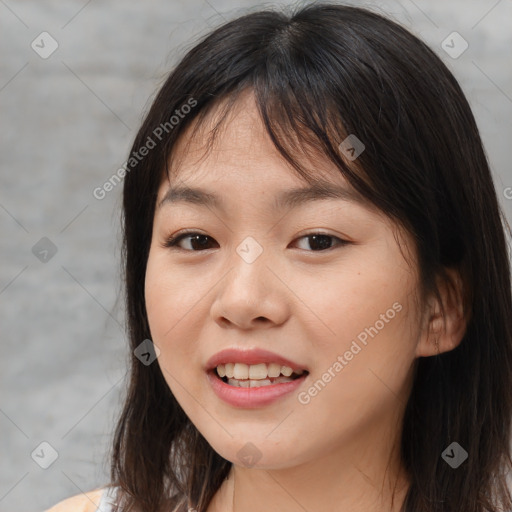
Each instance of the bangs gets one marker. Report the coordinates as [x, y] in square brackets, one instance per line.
[299, 130]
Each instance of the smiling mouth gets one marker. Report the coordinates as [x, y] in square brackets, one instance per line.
[257, 382]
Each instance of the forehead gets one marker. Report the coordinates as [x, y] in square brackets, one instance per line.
[223, 140]
[240, 153]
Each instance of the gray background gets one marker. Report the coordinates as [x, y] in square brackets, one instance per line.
[67, 125]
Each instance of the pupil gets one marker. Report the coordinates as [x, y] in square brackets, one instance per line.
[203, 238]
[326, 241]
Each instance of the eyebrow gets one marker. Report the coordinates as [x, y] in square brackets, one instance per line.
[288, 199]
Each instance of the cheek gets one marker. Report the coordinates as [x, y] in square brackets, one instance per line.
[163, 310]
[172, 303]
[364, 313]
[168, 296]
[159, 294]
[339, 303]
[364, 371]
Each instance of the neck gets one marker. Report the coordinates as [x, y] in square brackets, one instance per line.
[298, 489]
[367, 479]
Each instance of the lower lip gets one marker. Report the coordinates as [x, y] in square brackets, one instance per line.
[250, 398]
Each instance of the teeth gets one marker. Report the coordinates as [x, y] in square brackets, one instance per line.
[229, 370]
[257, 383]
[241, 371]
[259, 372]
[286, 371]
[274, 370]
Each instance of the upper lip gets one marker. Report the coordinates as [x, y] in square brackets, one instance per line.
[250, 356]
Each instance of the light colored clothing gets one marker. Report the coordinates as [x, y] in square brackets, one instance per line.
[99, 500]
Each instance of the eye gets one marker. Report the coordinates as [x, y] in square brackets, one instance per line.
[196, 239]
[321, 241]
[317, 241]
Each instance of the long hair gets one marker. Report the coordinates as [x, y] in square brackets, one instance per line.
[318, 74]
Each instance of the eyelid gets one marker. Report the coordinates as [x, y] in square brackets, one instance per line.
[172, 241]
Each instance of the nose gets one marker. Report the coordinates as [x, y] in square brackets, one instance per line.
[251, 295]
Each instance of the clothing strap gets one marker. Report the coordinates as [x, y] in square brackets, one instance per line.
[107, 500]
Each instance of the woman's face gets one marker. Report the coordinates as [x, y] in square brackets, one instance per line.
[257, 279]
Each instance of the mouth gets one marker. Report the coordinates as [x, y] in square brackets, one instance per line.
[256, 375]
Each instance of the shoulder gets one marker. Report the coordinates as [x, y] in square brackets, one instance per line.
[86, 502]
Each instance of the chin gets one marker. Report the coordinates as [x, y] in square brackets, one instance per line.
[255, 454]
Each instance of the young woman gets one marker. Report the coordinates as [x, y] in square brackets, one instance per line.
[317, 281]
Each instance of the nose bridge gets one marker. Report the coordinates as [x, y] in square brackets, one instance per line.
[249, 250]
[249, 273]
[249, 290]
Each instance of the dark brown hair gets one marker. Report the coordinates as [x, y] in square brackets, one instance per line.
[319, 73]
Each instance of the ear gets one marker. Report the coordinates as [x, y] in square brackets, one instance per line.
[444, 333]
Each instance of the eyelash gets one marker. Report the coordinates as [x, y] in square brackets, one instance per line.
[171, 242]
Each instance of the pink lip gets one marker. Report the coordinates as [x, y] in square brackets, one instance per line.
[251, 356]
[250, 398]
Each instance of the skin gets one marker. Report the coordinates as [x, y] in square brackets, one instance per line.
[340, 450]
